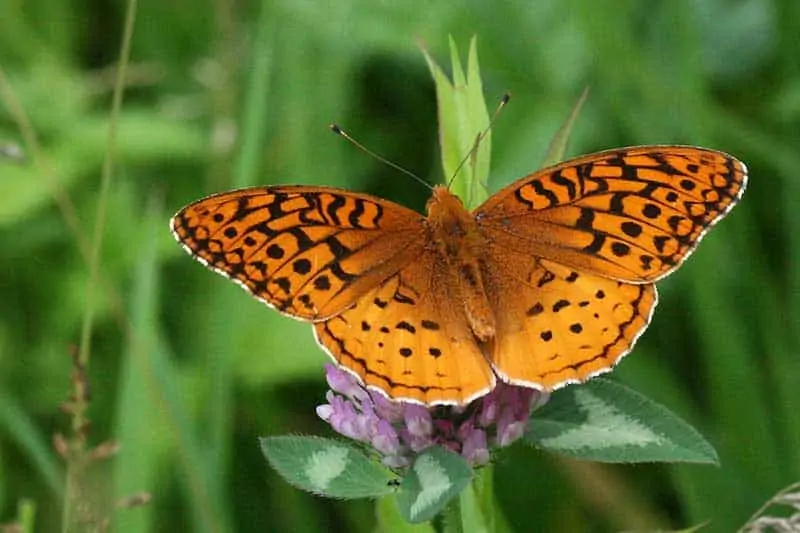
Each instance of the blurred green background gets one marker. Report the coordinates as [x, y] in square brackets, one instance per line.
[187, 370]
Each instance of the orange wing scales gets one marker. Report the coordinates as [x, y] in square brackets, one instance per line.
[632, 214]
[559, 326]
[308, 252]
[409, 339]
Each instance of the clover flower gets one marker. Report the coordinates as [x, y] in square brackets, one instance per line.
[399, 431]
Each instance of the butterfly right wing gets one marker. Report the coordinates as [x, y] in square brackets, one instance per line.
[557, 326]
[632, 214]
[309, 252]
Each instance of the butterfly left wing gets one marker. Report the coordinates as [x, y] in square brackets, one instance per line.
[632, 214]
[409, 339]
[309, 252]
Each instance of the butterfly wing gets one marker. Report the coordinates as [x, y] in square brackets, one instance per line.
[309, 252]
[556, 326]
[632, 214]
[572, 252]
[409, 338]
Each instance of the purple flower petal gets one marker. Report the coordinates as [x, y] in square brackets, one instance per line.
[465, 429]
[415, 442]
[345, 419]
[400, 430]
[367, 424]
[324, 412]
[344, 383]
[340, 380]
[418, 420]
[511, 433]
[476, 449]
[510, 428]
[488, 412]
[387, 409]
[385, 439]
[451, 445]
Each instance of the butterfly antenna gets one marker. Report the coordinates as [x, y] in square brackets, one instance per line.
[479, 138]
[339, 131]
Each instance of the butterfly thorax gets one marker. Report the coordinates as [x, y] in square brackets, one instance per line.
[460, 245]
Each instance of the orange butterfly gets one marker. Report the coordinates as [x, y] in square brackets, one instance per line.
[549, 282]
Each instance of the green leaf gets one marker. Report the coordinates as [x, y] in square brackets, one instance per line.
[558, 146]
[605, 421]
[390, 520]
[436, 477]
[327, 467]
[473, 519]
[479, 508]
[462, 118]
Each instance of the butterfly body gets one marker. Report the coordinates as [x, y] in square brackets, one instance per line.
[461, 246]
[548, 282]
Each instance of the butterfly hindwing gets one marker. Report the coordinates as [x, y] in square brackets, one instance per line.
[409, 338]
[557, 326]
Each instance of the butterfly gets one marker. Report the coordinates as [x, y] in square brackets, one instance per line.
[549, 282]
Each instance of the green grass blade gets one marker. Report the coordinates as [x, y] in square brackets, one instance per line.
[256, 103]
[17, 426]
[558, 146]
[141, 429]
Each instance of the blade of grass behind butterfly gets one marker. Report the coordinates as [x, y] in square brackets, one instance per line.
[254, 113]
[20, 428]
[71, 511]
[737, 399]
[246, 167]
[778, 308]
[740, 395]
[151, 414]
[558, 145]
[140, 428]
[462, 117]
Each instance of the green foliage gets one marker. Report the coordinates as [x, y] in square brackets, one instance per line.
[187, 371]
[605, 421]
[327, 467]
[436, 477]
[557, 150]
[462, 120]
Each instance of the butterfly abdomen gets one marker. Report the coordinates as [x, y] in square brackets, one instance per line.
[460, 243]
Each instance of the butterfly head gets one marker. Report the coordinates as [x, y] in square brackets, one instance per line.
[443, 203]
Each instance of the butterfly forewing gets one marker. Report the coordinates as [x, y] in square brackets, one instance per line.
[632, 214]
[310, 252]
